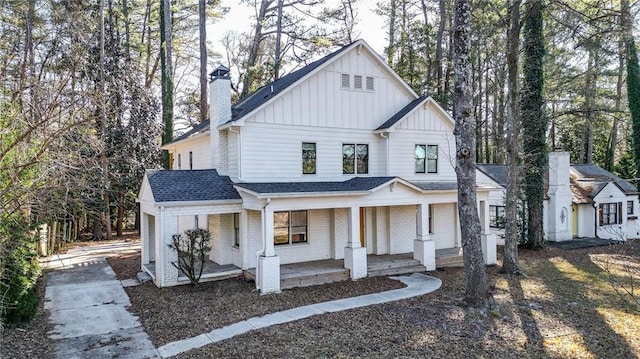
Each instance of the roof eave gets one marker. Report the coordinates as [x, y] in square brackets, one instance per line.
[198, 203]
[172, 144]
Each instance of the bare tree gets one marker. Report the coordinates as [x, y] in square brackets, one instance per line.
[477, 288]
[203, 58]
[511, 235]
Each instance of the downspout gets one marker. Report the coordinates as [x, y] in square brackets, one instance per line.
[595, 220]
[386, 137]
[264, 241]
[239, 151]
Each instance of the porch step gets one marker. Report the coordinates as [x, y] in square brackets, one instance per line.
[453, 261]
[396, 270]
[393, 265]
[294, 280]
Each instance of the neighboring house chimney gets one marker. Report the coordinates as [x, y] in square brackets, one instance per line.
[559, 213]
[219, 113]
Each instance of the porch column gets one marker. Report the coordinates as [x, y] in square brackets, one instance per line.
[167, 274]
[243, 217]
[488, 239]
[268, 270]
[144, 238]
[355, 256]
[424, 249]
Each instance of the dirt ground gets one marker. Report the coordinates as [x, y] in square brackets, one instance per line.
[570, 304]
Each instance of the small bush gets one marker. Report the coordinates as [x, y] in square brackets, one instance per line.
[192, 247]
[20, 271]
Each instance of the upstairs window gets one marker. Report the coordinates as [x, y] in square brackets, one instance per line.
[308, 158]
[370, 83]
[346, 83]
[355, 159]
[357, 82]
[190, 160]
[426, 159]
[179, 161]
[609, 213]
[289, 227]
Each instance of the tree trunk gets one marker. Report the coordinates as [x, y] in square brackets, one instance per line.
[477, 285]
[97, 228]
[392, 33]
[120, 216]
[255, 47]
[278, 52]
[439, 37]
[166, 76]
[613, 137]
[534, 121]
[511, 235]
[203, 59]
[633, 80]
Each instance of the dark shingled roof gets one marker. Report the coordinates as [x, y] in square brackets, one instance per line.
[356, 184]
[264, 94]
[497, 172]
[436, 186]
[588, 180]
[405, 110]
[192, 185]
[204, 126]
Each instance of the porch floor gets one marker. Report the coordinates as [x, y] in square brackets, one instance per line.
[332, 270]
[211, 271]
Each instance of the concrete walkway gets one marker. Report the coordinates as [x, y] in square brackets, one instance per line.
[417, 284]
[87, 306]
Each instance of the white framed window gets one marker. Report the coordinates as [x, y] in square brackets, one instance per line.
[289, 227]
[346, 81]
[610, 213]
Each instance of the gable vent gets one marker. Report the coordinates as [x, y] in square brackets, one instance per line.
[369, 83]
[345, 81]
[357, 82]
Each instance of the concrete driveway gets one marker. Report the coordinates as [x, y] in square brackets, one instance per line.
[87, 306]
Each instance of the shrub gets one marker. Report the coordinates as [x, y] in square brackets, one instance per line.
[20, 271]
[192, 247]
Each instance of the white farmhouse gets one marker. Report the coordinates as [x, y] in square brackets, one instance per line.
[582, 201]
[338, 170]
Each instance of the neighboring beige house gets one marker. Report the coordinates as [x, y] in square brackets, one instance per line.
[583, 200]
[337, 170]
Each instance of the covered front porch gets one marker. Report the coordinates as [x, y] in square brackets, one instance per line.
[331, 270]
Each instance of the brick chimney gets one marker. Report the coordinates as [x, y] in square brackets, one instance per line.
[220, 113]
[559, 211]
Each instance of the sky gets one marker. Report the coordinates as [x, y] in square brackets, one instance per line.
[239, 18]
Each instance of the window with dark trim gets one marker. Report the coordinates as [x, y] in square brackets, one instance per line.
[190, 160]
[308, 158]
[496, 216]
[196, 222]
[426, 159]
[355, 159]
[236, 229]
[179, 161]
[431, 219]
[629, 208]
[289, 227]
[609, 213]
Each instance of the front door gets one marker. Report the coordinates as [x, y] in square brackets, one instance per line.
[363, 215]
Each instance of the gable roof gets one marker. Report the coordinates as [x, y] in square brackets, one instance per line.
[355, 184]
[588, 180]
[190, 186]
[197, 130]
[495, 171]
[266, 93]
[403, 112]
